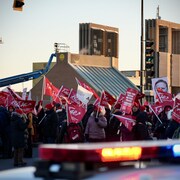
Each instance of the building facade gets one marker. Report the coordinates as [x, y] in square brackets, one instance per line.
[95, 39]
[165, 36]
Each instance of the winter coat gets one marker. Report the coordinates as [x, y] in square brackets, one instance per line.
[140, 130]
[113, 128]
[173, 125]
[50, 124]
[95, 130]
[61, 114]
[18, 127]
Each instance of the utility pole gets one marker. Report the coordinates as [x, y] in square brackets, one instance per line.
[142, 47]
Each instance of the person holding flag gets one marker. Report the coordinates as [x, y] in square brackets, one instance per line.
[140, 129]
[95, 131]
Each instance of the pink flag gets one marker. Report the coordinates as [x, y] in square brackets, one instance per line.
[176, 111]
[157, 108]
[127, 120]
[129, 99]
[63, 93]
[106, 99]
[26, 105]
[164, 96]
[75, 113]
[73, 99]
[120, 99]
[14, 94]
[4, 98]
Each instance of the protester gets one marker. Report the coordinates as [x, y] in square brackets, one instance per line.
[94, 131]
[140, 129]
[28, 150]
[90, 109]
[50, 124]
[160, 126]
[18, 126]
[5, 133]
[114, 125]
[135, 109]
[61, 114]
[172, 126]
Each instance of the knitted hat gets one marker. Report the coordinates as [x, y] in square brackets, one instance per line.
[49, 106]
[136, 104]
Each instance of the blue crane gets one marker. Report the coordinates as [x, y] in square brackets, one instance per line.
[26, 76]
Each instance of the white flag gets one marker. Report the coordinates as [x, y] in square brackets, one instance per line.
[83, 94]
[29, 96]
[24, 93]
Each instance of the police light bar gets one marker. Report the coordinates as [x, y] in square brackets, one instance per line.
[110, 152]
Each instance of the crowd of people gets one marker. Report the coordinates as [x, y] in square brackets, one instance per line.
[18, 131]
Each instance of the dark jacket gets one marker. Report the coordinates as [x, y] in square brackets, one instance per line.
[18, 128]
[50, 124]
[140, 130]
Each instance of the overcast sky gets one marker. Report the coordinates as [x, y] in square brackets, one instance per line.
[29, 36]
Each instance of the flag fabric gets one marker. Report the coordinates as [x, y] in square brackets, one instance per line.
[29, 96]
[24, 93]
[120, 99]
[14, 94]
[50, 89]
[157, 108]
[4, 98]
[26, 105]
[75, 113]
[83, 94]
[84, 85]
[73, 99]
[129, 100]
[127, 120]
[64, 91]
[176, 111]
[107, 99]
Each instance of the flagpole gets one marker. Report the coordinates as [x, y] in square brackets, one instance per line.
[155, 113]
[43, 84]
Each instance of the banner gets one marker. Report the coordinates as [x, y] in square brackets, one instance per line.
[75, 113]
[129, 99]
[159, 83]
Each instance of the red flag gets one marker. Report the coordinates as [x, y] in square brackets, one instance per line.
[128, 102]
[75, 113]
[157, 108]
[106, 99]
[84, 85]
[50, 89]
[176, 111]
[121, 99]
[14, 94]
[63, 93]
[4, 98]
[26, 105]
[127, 120]
[164, 96]
[73, 99]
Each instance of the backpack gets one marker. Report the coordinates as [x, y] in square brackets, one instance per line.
[74, 133]
[176, 134]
